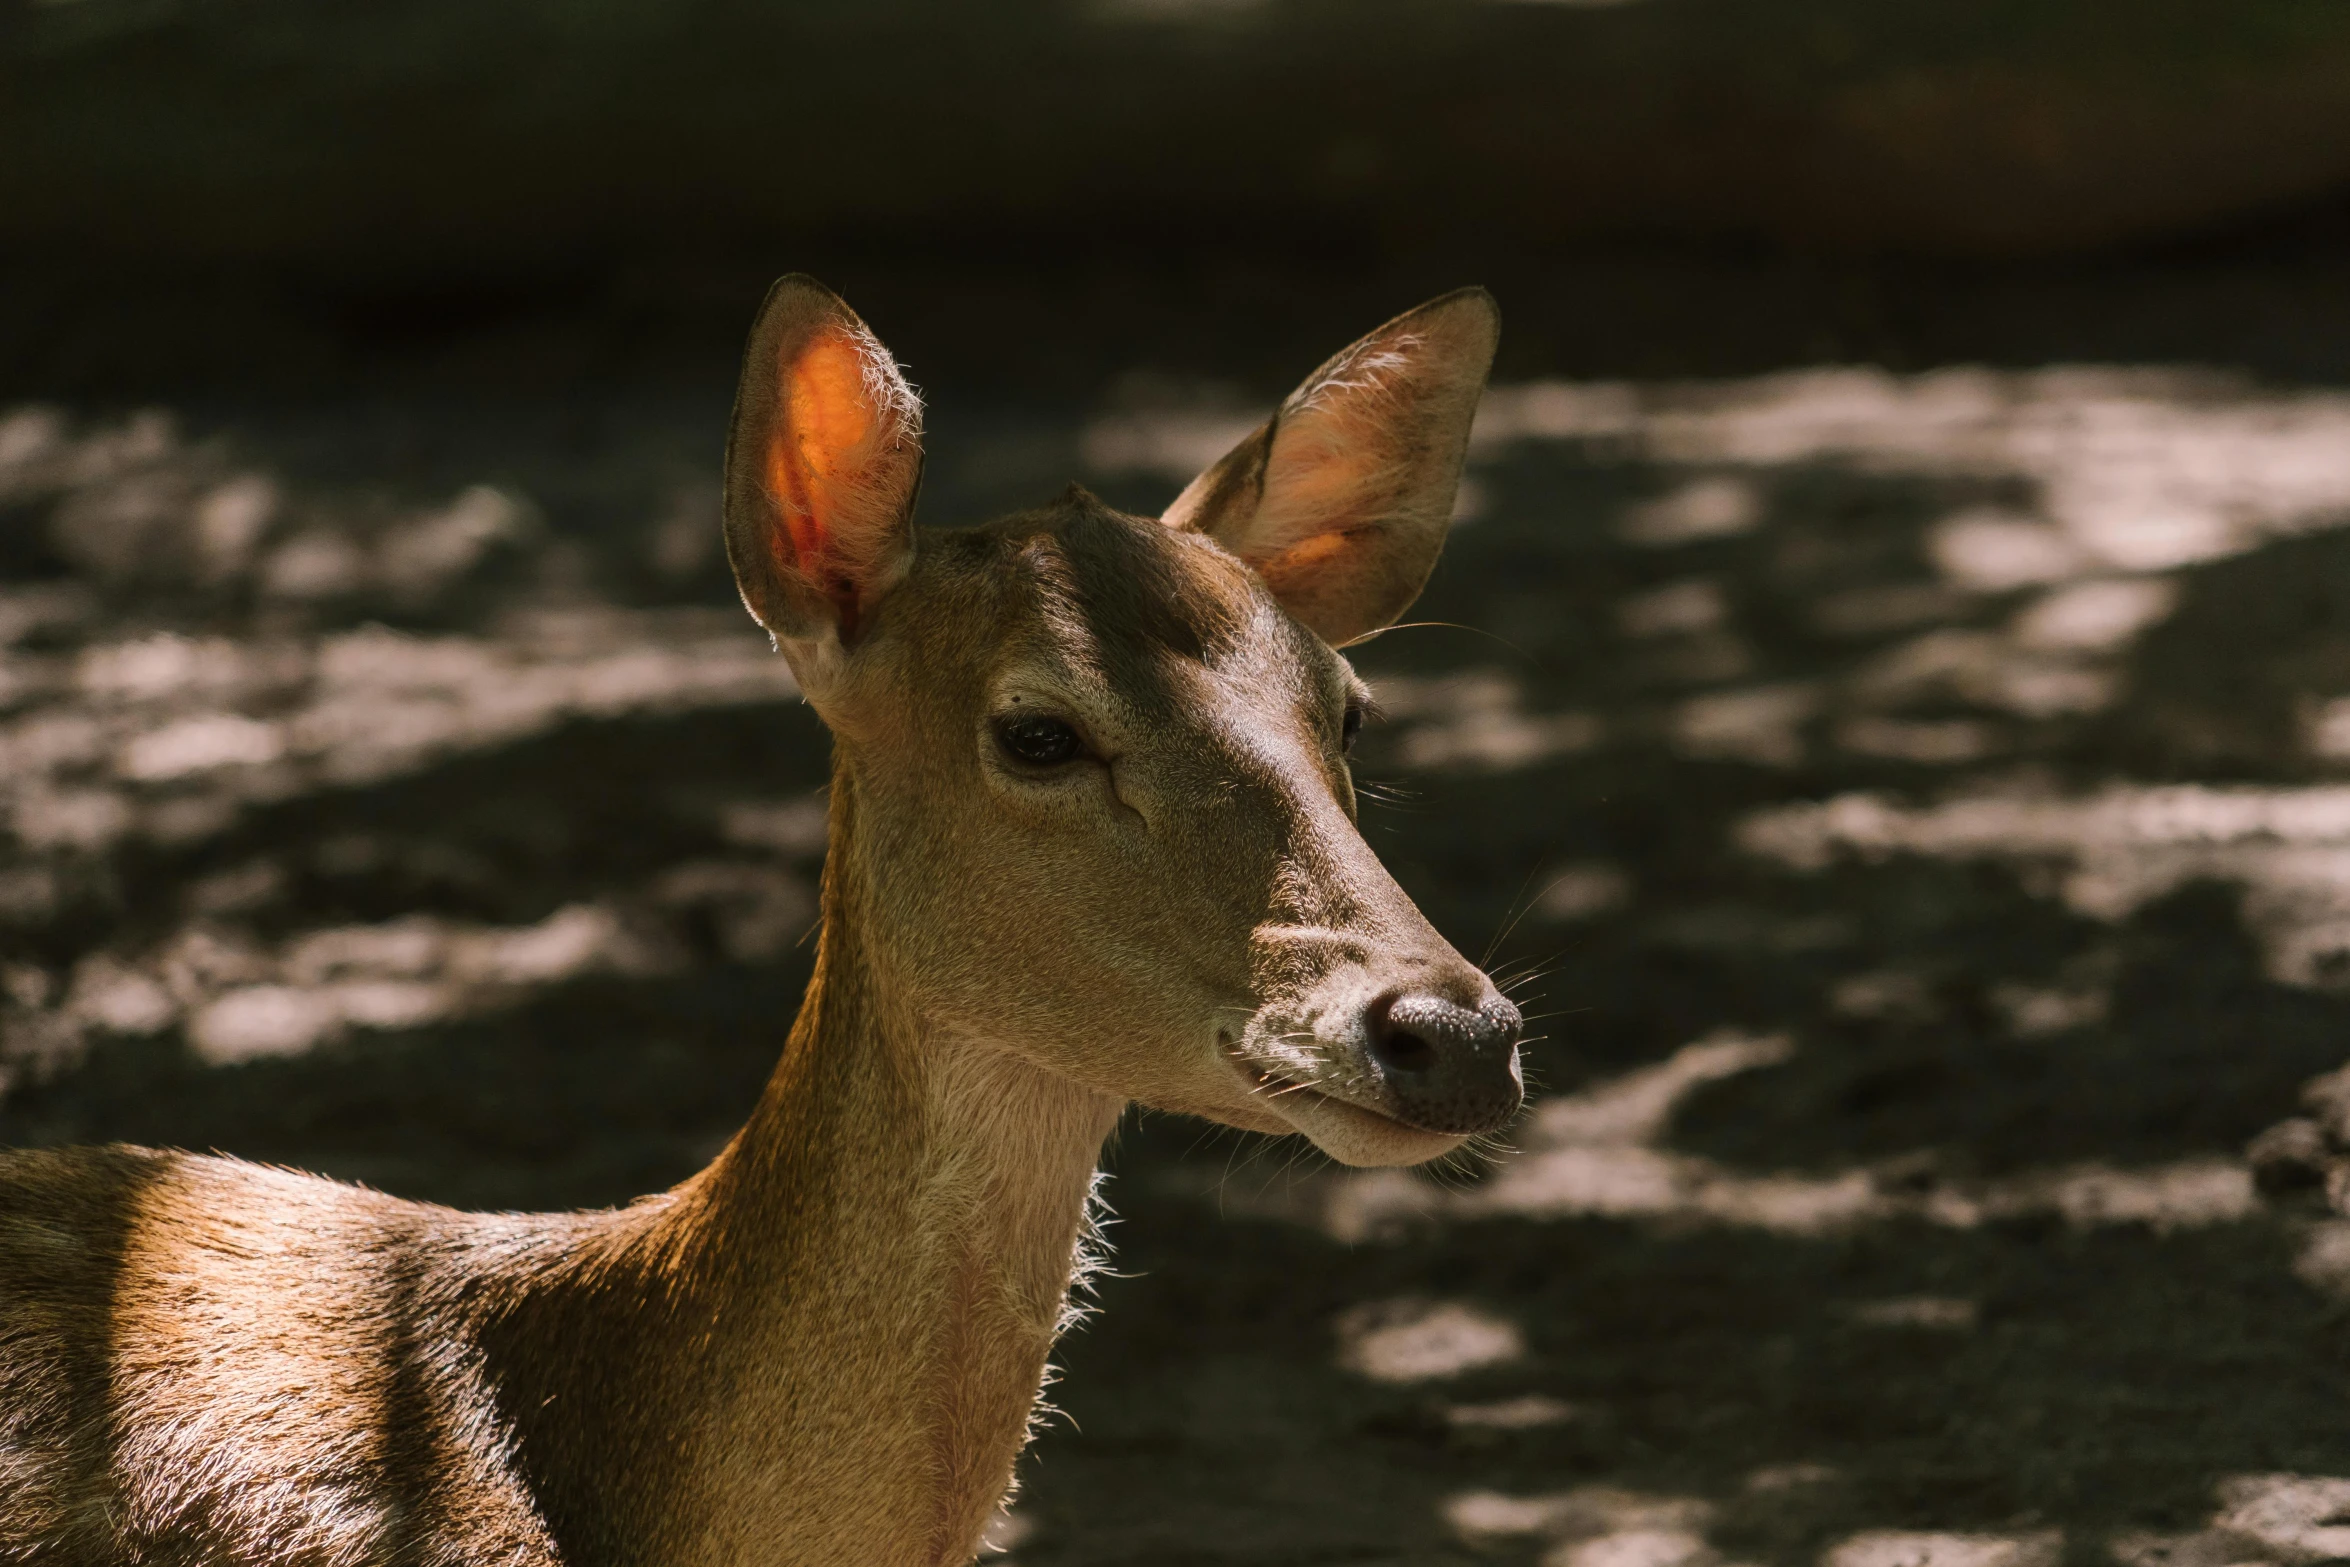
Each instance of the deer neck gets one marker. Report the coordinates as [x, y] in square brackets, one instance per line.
[858, 1296]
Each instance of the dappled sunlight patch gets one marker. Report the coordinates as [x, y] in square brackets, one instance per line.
[1635, 1548]
[1590, 1526]
[200, 745]
[407, 564]
[2071, 500]
[1415, 1340]
[1167, 433]
[1582, 891]
[1761, 724]
[1914, 1548]
[110, 994]
[79, 820]
[1680, 608]
[1526, 1412]
[1473, 721]
[2328, 729]
[136, 505]
[166, 667]
[1595, 1154]
[131, 759]
[2120, 848]
[792, 827]
[1636, 1108]
[1903, 995]
[2182, 1195]
[2321, 1258]
[2289, 1519]
[1797, 1476]
[1639, 1182]
[2034, 1011]
[2096, 617]
[282, 1020]
[1991, 550]
[52, 742]
[2142, 470]
[1984, 668]
[2301, 1518]
[1683, 634]
[238, 998]
[1721, 506]
[443, 545]
[403, 974]
[567, 942]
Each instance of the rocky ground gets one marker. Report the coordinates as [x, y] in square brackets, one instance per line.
[1916, 804]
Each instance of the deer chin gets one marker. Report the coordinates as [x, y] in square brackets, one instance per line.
[1348, 1132]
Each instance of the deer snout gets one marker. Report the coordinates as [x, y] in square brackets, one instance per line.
[1446, 1067]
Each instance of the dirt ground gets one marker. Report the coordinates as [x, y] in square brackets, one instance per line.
[1916, 804]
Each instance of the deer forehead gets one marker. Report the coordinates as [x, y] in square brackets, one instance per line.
[1133, 621]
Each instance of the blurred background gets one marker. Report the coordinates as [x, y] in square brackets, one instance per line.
[1894, 716]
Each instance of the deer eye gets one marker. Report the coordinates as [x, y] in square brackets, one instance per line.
[1037, 740]
[1350, 728]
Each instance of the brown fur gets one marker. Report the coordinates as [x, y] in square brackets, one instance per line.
[823, 1350]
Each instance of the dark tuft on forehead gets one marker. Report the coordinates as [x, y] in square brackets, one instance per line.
[1130, 583]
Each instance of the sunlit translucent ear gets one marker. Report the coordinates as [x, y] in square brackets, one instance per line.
[1341, 500]
[822, 463]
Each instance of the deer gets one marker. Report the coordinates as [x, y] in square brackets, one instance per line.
[1093, 843]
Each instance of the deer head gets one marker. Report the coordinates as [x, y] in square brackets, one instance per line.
[1092, 794]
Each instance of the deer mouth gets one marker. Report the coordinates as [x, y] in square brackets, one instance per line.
[1270, 1085]
[1341, 1126]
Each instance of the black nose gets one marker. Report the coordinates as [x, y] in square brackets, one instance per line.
[1446, 1068]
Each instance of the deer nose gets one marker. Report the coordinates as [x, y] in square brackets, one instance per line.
[1447, 1068]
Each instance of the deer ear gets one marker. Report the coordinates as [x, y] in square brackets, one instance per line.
[1341, 500]
[822, 464]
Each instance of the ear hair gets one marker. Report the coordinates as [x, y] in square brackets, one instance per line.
[823, 461]
[1342, 499]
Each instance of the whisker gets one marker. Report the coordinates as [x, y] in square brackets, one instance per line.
[1531, 961]
[1534, 974]
[1503, 934]
[1448, 625]
[1302, 1151]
